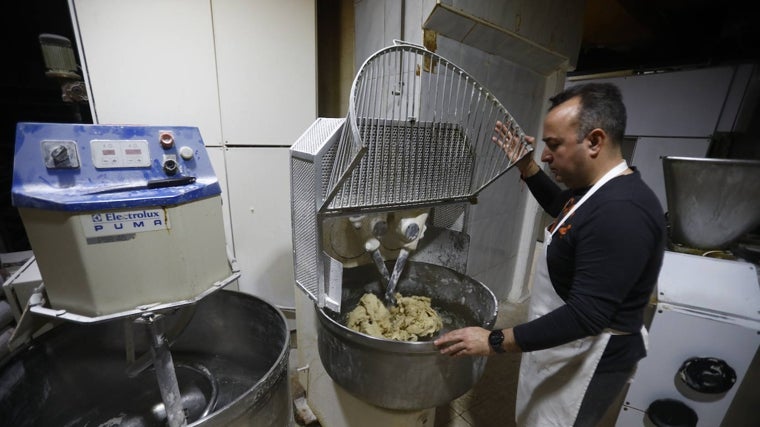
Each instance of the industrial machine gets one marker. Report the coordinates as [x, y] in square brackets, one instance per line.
[125, 223]
[705, 331]
[378, 200]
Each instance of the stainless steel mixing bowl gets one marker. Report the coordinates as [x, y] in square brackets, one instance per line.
[711, 202]
[231, 361]
[406, 375]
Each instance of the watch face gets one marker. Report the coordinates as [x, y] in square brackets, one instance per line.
[496, 338]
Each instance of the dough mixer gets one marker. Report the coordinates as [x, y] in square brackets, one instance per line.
[125, 222]
[378, 204]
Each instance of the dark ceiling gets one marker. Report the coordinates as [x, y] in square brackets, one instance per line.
[651, 34]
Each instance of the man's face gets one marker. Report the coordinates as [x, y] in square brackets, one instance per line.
[563, 153]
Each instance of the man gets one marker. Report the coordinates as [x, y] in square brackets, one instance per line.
[584, 334]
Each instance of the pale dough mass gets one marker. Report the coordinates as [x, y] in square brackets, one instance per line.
[411, 318]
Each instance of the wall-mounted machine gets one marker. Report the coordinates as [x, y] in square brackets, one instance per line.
[126, 227]
[377, 207]
[705, 331]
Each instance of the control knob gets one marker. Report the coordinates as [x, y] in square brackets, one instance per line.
[60, 155]
[167, 140]
[171, 167]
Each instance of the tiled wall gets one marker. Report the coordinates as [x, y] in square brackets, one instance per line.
[496, 222]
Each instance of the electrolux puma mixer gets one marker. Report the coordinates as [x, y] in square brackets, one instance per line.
[132, 326]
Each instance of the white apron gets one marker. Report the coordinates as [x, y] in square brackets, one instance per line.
[552, 382]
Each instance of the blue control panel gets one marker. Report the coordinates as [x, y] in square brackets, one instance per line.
[78, 167]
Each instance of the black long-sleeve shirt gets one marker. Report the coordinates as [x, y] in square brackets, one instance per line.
[604, 265]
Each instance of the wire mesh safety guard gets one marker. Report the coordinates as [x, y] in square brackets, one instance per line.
[418, 132]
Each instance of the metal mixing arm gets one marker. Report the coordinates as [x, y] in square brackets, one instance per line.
[398, 268]
[373, 228]
[377, 257]
[165, 374]
[410, 230]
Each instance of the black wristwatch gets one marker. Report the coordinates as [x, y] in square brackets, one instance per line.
[496, 339]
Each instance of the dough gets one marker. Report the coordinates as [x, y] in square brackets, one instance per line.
[411, 318]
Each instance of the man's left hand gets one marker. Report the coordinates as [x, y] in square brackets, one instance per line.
[470, 341]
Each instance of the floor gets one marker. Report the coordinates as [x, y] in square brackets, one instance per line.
[491, 402]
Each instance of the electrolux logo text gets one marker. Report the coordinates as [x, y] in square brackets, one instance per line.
[125, 222]
[113, 216]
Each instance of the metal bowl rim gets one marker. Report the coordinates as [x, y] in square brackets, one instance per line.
[743, 162]
[224, 412]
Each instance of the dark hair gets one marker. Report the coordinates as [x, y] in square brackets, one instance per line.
[601, 107]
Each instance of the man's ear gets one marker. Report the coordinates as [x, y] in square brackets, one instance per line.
[596, 139]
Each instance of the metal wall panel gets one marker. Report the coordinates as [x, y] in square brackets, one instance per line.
[150, 62]
[266, 59]
[674, 104]
[259, 192]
